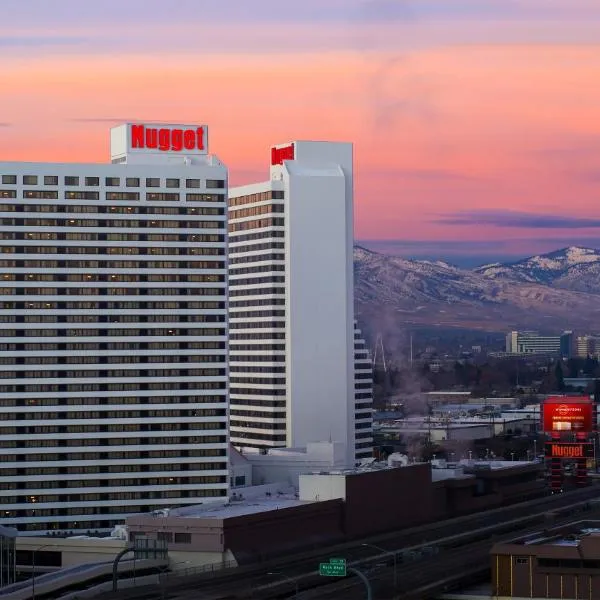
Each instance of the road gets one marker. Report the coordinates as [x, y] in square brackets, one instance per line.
[253, 582]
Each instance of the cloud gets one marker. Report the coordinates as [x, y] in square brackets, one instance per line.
[102, 120]
[431, 175]
[37, 41]
[516, 219]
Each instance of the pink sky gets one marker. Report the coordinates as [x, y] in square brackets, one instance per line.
[471, 128]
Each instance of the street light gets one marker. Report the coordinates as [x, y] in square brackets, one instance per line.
[284, 576]
[393, 556]
[33, 567]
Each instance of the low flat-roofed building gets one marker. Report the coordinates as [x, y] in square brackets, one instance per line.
[563, 562]
[257, 522]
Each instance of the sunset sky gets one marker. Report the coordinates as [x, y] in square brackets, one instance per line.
[476, 123]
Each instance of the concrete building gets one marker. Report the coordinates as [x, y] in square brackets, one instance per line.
[335, 505]
[532, 342]
[299, 370]
[113, 350]
[563, 562]
[587, 346]
[287, 464]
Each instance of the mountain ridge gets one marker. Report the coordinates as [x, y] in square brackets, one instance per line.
[548, 291]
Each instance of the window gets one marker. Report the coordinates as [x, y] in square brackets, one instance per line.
[152, 182]
[192, 183]
[132, 182]
[71, 180]
[162, 197]
[48, 195]
[8, 194]
[112, 181]
[122, 195]
[92, 181]
[30, 179]
[172, 183]
[82, 196]
[205, 198]
[215, 183]
[50, 179]
[9, 179]
[183, 538]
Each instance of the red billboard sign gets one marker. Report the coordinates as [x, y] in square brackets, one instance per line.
[166, 139]
[566, 450]
[278, 155]
[567, 414]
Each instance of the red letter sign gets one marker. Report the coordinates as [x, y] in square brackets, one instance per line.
[167, 140]
[278, 155]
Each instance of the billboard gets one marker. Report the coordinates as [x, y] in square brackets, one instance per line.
[566, 414]
[569, 450]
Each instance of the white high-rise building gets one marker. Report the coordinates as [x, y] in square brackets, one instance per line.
[299, 371]
[113, 347]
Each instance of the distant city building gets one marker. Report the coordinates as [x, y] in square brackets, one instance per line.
[299, 369]
[587, 346]
[532, 342]
[114, 332]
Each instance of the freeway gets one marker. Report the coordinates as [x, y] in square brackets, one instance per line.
[419, 580]
[253, 582]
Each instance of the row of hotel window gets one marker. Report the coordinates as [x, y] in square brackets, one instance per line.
[113, 223]
[125, 277]
[73, 180]
[105, 400]
[156, 196]
[113, 441]
[138, 263]
[124, 210]
[111, 414]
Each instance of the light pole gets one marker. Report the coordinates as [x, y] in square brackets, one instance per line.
[33, 568]
[393, 556]
[284, 576]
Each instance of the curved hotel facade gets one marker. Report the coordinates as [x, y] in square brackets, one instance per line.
[113, 347]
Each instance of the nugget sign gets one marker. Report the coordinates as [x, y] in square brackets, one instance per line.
[566, 450]
[182, 139]
[278, 155]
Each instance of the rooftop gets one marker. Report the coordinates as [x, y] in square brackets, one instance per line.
[565, 540]
[244, 501]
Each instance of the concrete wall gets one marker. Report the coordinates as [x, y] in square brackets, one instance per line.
[268, 535]
[74, 551]
[390, 499]
[317, 488]
[286, 465]
[319, 295]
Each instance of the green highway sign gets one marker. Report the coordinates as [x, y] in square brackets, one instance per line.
[332, 569]
[337, 561]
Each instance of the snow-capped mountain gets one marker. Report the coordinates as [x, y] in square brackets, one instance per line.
[495, 297]
[572, 268]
